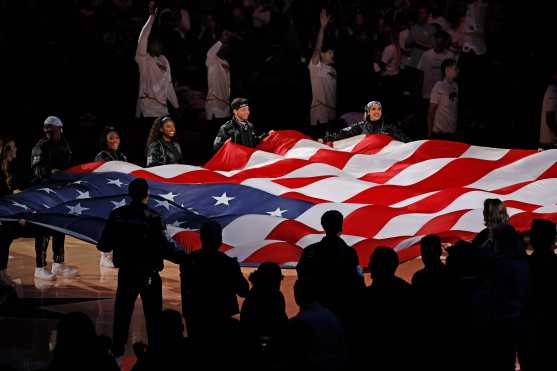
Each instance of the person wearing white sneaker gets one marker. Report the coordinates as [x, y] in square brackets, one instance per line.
[50, 155]
[42, 273]
[106, 260]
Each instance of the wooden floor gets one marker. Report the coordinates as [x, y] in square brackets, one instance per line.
[26, 334]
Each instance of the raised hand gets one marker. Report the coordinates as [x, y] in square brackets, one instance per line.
[324, 18]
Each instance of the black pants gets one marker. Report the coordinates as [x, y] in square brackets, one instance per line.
[131, 284]
[41, 245]
[10, 231]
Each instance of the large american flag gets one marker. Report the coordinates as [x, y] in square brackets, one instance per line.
[269, 200]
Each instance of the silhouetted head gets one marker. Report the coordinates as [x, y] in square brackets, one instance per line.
[462, 259]
[138, 190]
[268, 276]
[331, 221]
[542, 235]
[304, 293]
[211, 235]
[494, 212]
[383, 263]
[430, 247]
[75, 332]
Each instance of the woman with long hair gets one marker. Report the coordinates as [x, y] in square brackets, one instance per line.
[8, 152]
[110, 146]
[162, 147]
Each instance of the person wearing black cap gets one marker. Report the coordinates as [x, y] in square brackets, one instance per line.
[373, 123]
[49, 155]
[136, 235]
[238, 129]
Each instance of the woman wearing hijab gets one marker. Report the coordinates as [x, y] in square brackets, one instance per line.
[373, 123]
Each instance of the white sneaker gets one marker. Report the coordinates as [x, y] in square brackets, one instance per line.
[43, 274]
[61, 269]
[6, 280]
[106, 260]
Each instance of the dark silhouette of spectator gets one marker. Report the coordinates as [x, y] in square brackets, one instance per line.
[210, 282]
[494, 213]
[263, 317]
[507, 294]
[333, 268]
[175, 350]
[79, 347]
[542, 307]
[136, 234]
[386, 304]
[316, 338]
[465, 323]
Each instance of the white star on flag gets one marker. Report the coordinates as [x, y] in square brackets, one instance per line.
[79, 182]
[117, 182]
[164, 204]
[76, 209]
[169, 196]
[47, 190]
[223, 199]
[46, 206]
[176, 223]
[277, 212]
[118, 204]
[82, 195]
[24, 207]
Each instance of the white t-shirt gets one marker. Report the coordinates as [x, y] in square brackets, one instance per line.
[155, 79]
[391, 58]
[218, 85]
[430, 64]
[548, 136]
[474, 22]
[445, 95]
[324, 93]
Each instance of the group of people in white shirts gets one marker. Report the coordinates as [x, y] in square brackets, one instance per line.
[419, 47]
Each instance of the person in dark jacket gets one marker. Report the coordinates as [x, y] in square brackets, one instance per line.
[162, 147]
[263, 317]
[333, 268]
[210, 282]
[136, 235]
[50, 155]
[373, 123]
[110, 146]
[238, 129]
